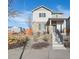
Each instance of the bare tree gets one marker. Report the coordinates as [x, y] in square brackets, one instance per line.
[29, 21]
[11, 11]
[14, 13]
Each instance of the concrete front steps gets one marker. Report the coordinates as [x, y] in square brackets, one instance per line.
[57, 45]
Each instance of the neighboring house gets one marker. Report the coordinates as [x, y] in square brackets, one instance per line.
[46, 20]
[15, 29]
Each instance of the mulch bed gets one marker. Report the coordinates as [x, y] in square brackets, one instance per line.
[40, 45]
[15, 45]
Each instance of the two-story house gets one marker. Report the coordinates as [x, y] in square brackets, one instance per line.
[46, 20]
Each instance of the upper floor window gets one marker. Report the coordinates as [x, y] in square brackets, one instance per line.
[42, 14]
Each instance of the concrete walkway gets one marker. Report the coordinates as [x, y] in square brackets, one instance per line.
[44, 53]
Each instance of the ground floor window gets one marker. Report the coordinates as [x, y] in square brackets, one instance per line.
[42, 26]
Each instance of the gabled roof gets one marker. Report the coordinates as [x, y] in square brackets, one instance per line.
[46, 9]
[42, 7]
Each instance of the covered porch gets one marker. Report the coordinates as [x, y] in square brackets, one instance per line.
[56, 27]
[56, 24]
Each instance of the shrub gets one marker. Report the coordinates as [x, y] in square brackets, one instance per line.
[35, 37]
[46, 37]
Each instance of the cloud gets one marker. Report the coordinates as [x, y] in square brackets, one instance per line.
[66, 12]
[23, 17]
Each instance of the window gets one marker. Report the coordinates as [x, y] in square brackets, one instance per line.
[42, 26]
[42, 14]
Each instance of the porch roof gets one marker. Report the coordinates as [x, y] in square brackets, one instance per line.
[55, 21]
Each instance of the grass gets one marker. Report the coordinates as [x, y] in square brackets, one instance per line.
[44, 37]
[18, 40]
[42, 40]
[15, 41]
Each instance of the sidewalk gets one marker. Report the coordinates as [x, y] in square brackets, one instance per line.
[45, 53]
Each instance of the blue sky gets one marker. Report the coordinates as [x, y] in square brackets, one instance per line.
[26, 6]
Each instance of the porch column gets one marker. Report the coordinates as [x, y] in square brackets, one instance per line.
[65, 27]
[50, 28]
[50, 22]
[61, 28]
